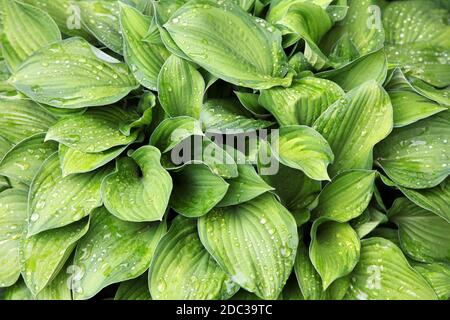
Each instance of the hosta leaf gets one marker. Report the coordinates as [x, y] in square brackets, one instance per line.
[101, 18]
[302, 103]
[346, 196]
[422, 50]
[139, 190]
[180, 88]
[367, 110]
[75, 161]
[145, 59]
[13, 215]
[303, 148]
[18, 291]
[247, 186]
[278, 8]
[220, 115]
[441, 96]
[56, 201]
[424, 236]
[438, 276]
[82, 132]
[26, 30]
[42, 256]
[254, 242]
[21, 118]
[368, 221]
[58, 288]
[4, 76]
[205, 190]
[417, 156]
[135, 289]
[206, 31]
[24, 160]
[369, 67]
[251, 103]
[334, 250]
[173, 131]
[182, 269]
[384, 273]
[113, 251]
[73, 74]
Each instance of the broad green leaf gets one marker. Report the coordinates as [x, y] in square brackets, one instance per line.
[369, 67]
[43, 255]
[362, 27]
[368, 221]
[73, 74]
[180, 88]
[334, 250]
[74, 161]
[303, 148]
[182, 269]
[13, 215]
[441, 96]
[135, 289]
[18, 291]
[145, 109]
[221, 38]
[21, 118]
[247, 186]
[139, 190]
[424, 236]
[417, 156]
[386, 233]
[228, 116]
[435, 199]
[101, 18]
[196, 190]
[383, 273]
[410, 107]
[346, 196]
[58, 288]
[251, 103]
[113, 251]
[26, 30]
[302, 103]
[23, 161]
[56, 201]
[279, 8]
[82, 132]
[173, 131]
[355, 124]
[4, 76]
[417, 36]
[438, 276]
[254, 242]
[145, 59]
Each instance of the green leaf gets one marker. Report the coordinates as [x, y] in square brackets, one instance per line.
[205, 190]
[205, 30]
[417, 156]
[247, 186]
[410, 107]
[113, 251]
[424, 236]
[18, 291]
[21, 118]
[368, 221]
[438, 276]
[346, 196]
[334, 250]
[173, 131]
[58, 288]
[302, 103]
[220, 115]
[303, 148]
[23, 161]
[101, 18]
[26, 30]
[73, 74]
[82, 132]
[366, 108]
[57, 201]
[441, 96]
[254, 242]
[182, 269]
[135, 289]
[13, 215]
[139, 190]
[251, 103]
[42, 256]
[145, 59]
[369, 67]
[180, 88]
